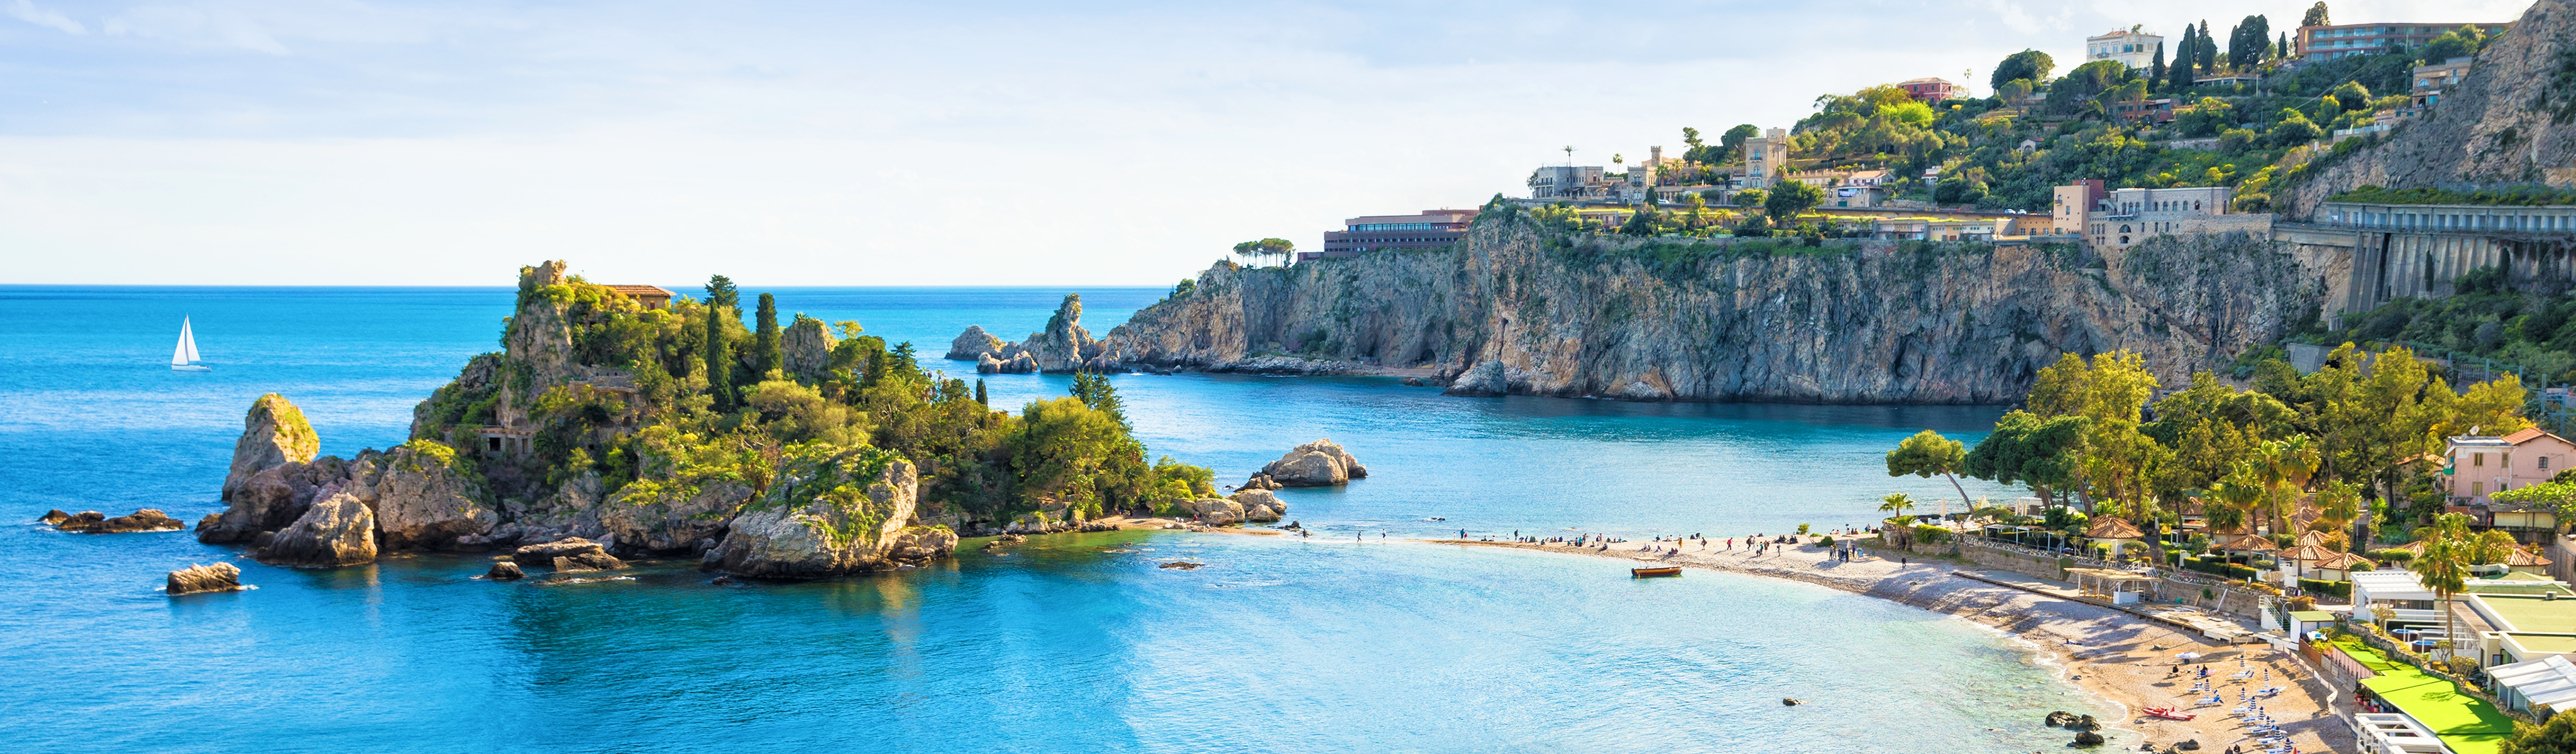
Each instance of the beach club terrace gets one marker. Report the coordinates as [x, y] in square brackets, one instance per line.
[2463, 723]
[2400, 591]
[2528, 627]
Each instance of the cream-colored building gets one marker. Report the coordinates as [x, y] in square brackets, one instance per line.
[2122, 218]
[1766, 158]
[2134, 48]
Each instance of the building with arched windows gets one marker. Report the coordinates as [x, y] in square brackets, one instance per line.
[2121, 218]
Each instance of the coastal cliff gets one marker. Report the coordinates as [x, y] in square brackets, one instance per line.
[2512, 119]
[1518, 307]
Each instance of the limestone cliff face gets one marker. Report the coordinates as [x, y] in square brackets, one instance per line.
[2512, 120]
[1516, 309]
[1065, 346]
[830, 512]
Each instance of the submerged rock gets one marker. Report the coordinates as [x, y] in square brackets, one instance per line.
[2059, 718]
[337, 531]
[1316, 464]
[220, 577]
[2088, 739]
[829, 512]
[503, 570]
[582, 554]
[94, 522]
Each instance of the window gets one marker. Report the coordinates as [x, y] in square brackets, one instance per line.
[2544, 463]
[2477, 488]
[2477, 459]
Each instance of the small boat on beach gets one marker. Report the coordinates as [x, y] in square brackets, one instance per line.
[2168, 713]
[1644, 573]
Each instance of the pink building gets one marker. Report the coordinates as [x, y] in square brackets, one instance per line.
[1930, 90]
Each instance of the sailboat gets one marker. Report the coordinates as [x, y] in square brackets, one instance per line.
[181, 359]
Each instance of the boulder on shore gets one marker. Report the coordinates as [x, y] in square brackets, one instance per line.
[1316, 464]
[1259, 506]
[337, 531]
[1213, 511]
[220, 577]
[828, 512]
[671, 517]
[580, 553]
[274, 432]
[94, 522]
[504, 570]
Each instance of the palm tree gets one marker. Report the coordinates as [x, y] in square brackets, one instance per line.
[2236, 494]
[2444, 567]
[2338, 506]
[1897, 503]
[2289, 462]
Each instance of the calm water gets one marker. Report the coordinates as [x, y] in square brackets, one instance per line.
[1074, 643]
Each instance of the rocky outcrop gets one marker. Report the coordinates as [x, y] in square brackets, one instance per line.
[918, 545]
[1516, 307]
[273, 498]
[1259, 506]
[2511, 120]
[567, 554]
[1063, 347]
[974, 344]
[1316, 464]
[338, 530]
[505, 570]
[806, 348]
[273, 433]
[1213, 511]
[673, 516]
[425, 499]
[220, 577]
[94, 522]
[828, 512]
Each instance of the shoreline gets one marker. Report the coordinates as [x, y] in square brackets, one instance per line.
[2110, 655]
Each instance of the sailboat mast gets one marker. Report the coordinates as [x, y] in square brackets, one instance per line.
[187, 340]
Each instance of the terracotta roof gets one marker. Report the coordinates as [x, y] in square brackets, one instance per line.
[2312, 538]
[2344, 561]
[2250, 543]
[640, 290]
[2529, 435]
[2525, 558]
[2307, 552]
[2413, 547]
[2112, 528]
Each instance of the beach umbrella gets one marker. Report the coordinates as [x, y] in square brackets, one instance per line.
[2187, 656]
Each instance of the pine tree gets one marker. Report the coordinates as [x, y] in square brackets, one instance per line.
[721, 302]
[771, 360]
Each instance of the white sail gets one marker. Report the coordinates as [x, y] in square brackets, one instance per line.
[187, 350]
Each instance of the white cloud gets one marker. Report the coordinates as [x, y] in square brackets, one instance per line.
[26, 10]
[212, 25]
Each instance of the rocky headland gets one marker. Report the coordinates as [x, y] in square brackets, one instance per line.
[2512, 119]
[1517, 307]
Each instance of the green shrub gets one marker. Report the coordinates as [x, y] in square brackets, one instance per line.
[1802, 529]
[1930, 533]
[1828, 541]
[2329, 588]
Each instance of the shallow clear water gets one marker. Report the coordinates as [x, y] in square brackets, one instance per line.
[1075, 643]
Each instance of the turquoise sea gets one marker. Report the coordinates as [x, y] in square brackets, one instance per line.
[1353, 640]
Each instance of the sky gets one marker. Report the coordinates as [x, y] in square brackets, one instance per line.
[333, 142]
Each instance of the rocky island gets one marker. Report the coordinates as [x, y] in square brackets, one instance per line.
[615, 425]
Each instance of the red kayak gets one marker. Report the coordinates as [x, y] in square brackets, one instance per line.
[2168, 713]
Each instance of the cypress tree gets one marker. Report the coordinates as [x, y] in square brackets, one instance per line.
[2184, 52]
[979, 392]
[721, 303]
[2208, 49]
[771, 360]
[2156, 69]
